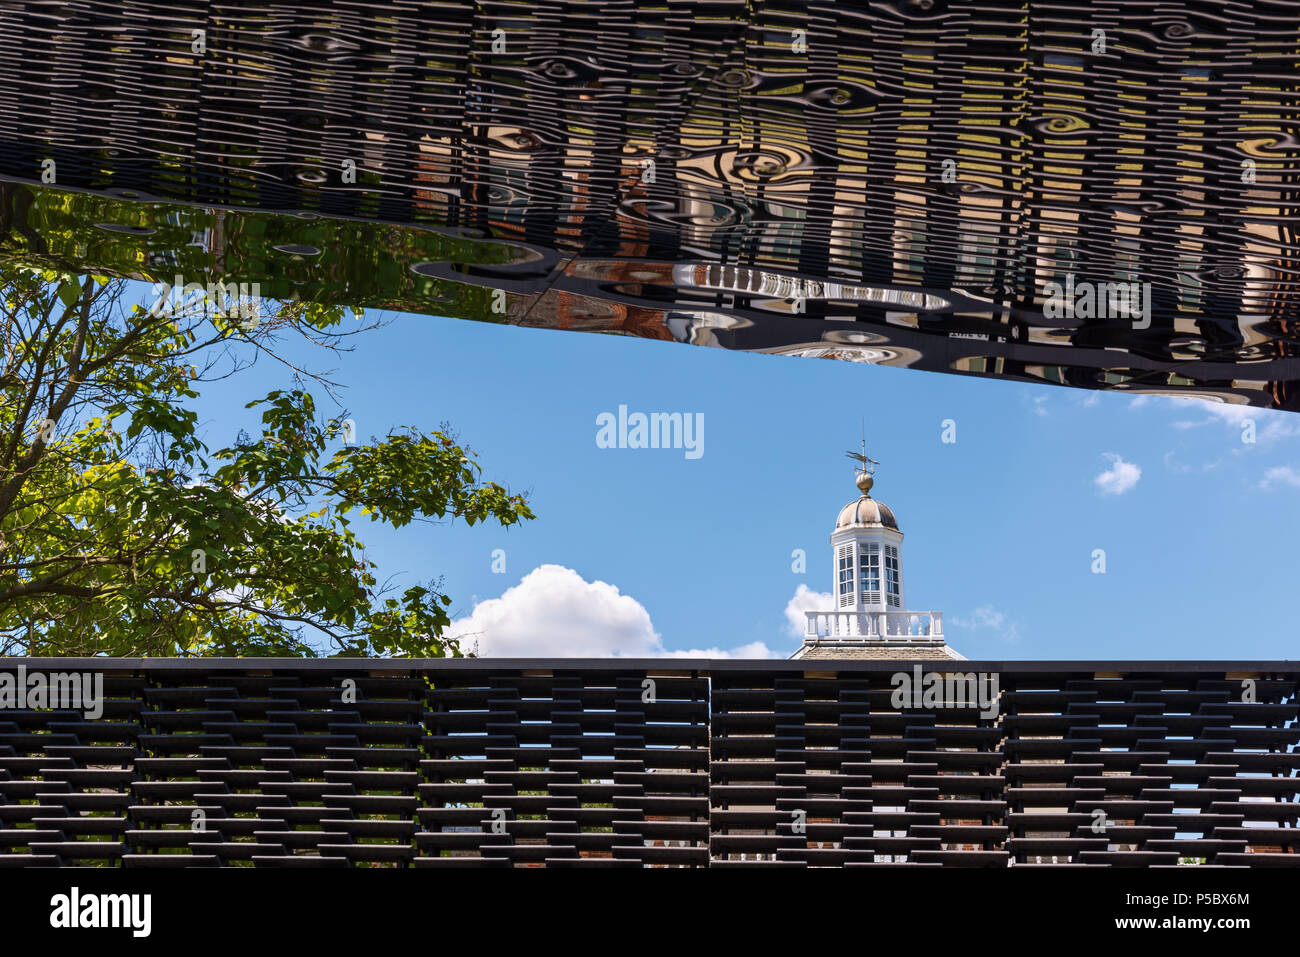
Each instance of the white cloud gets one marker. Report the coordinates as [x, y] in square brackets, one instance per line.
[554, 612]
[805, 599]
[1270, 425]
[1119, 478]
[1173, 403]
[1172, 463]
[1231, 412]
[1251, 428]
[1280, 475]
[986, 616]
[755, 649]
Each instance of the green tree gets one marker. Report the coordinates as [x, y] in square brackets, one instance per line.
[122, 533]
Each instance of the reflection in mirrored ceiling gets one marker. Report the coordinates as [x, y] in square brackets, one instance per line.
[1101, 196]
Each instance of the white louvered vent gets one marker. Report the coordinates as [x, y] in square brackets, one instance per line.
[844, 575]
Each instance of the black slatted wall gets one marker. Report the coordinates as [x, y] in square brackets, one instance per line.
[646, 763]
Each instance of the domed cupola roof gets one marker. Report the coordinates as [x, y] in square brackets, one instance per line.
[866, 511]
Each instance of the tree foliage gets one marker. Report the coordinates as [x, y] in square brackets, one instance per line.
[123, 533]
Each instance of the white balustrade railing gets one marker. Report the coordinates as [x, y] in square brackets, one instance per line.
[906, 625]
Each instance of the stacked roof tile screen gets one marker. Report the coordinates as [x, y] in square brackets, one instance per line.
[693, 762]
[921, 184]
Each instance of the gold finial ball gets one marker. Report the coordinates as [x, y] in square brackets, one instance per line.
[865, 482]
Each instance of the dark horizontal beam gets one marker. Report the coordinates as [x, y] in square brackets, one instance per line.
[699, 665]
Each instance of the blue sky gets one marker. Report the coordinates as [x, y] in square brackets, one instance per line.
[1001, 525]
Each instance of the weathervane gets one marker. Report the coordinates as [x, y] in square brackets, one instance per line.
[868, 465]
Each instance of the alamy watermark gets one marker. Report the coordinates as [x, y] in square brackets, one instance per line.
[935, 689]
[223, 300]
[56, 690]
[1099, 300]
[74, 910]
[654, 430]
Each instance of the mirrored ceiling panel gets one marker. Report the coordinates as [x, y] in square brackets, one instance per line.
[1095, 195]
